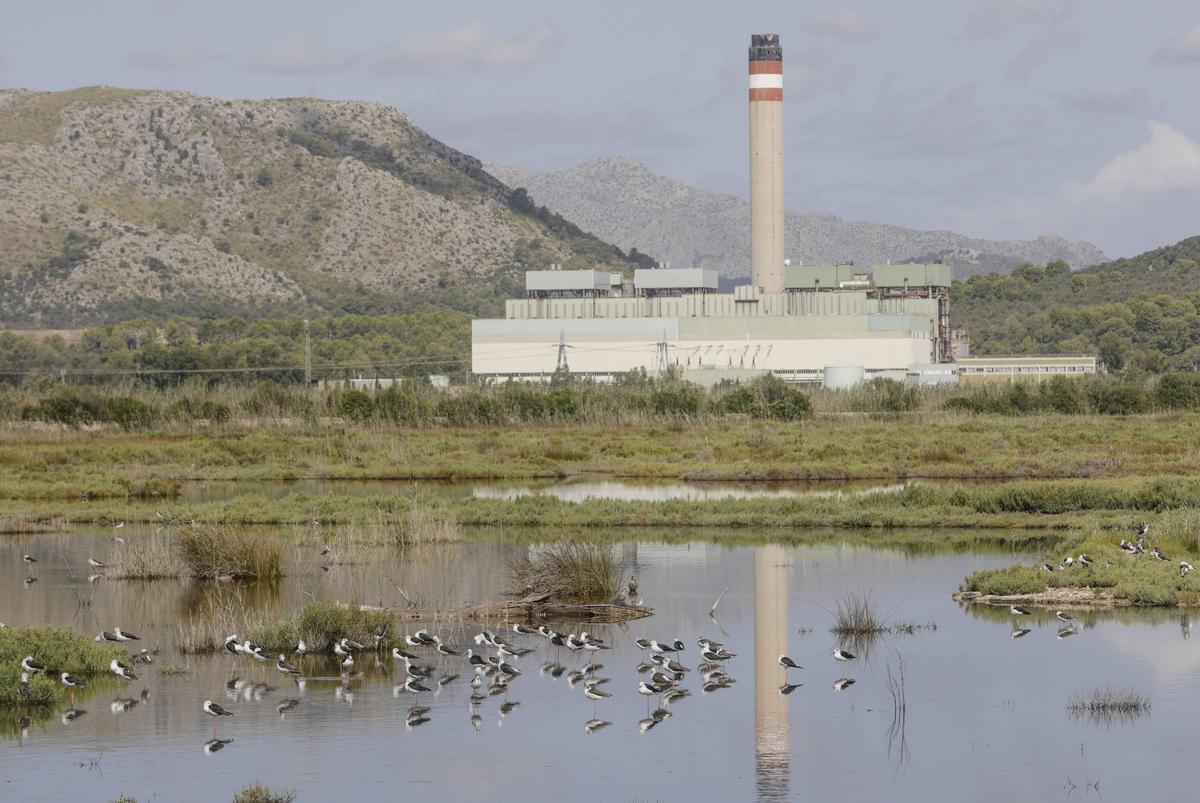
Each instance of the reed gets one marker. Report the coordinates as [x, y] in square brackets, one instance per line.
[568, 571]
[1106, 705]
[217, 617]
[856, 618]
[149, 558]
[213, 552]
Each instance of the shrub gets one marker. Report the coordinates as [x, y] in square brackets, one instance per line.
[356, 405]
[677, 400]
[856, 618]
[568, 571]
[323, 623]
[1178, 392]
[1117, 399]
[130, 413]
[402, 407]
[211, 552]
[258, 793]
[56, 648]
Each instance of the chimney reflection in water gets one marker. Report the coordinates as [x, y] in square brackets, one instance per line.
[772, 744]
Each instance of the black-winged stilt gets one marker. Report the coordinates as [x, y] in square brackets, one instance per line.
[1185, 567]
[95, 564]
[72, 684]
[29, 559]
[788, 664]
[1062, 617]
[1017, 611]
[841, 655]
[120, 670]
[216, 712]
[1158, 554]
[284, 667]
[1085, 560]
[123, 636]
[31, 666]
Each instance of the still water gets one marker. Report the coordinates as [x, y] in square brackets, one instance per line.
[986, 719]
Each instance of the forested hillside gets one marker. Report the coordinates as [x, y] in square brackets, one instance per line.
[1142, 312]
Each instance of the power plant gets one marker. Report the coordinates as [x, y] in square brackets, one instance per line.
[837, 324]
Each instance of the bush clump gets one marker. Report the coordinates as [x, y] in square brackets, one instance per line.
[257, 792]
[212, 552]
[568, 571]
[323, 623]
[57, 649]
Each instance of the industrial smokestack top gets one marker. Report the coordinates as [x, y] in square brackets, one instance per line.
[766, 162]
[765, 47]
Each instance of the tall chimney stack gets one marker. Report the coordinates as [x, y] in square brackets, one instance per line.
[766, 162]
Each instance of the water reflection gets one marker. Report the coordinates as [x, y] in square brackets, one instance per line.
[772, 745]
[983, 702]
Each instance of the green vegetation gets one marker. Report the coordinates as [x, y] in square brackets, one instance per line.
[258, 793]
[568, 571]
[56, 648]
[1140, 314]
[323, 623]
[1140, 580]
[223, 552]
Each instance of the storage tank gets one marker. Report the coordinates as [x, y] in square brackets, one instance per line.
[842, 377]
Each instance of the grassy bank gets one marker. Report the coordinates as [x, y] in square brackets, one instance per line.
[59, 650]
[1047, 505]
[49, 462]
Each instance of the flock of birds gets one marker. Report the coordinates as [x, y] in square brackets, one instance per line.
[1133, 549]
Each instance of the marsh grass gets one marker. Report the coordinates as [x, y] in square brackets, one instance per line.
[56, 648]
[174, 671]
[215, 618]
[856, 618]
[148, 558]
[1106, 705]
[1140, 581]
[321, 624]
[568, 571]
[257, 792]
[427, 521]
[223, 552]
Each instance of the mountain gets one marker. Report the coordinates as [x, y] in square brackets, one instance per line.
[1143, 311]
[622, 202]
[115, 203]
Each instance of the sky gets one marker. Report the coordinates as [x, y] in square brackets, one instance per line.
[995, 118]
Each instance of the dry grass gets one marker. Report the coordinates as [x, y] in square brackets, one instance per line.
[213, 552]
[217, 617]
[427, 522]
[145, 559]
[568, 571]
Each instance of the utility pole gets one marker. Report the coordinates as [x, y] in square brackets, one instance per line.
[562, 352]
[307, 356]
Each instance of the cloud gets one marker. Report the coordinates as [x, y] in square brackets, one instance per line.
[843, 22]
[187, 56]
[1167, 163]
[1139, 199]
[303, 53]
[469, 48]
[809, 73]
[991, 17]
[1183, 48]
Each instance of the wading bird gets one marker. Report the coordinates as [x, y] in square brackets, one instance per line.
[120, 670]
[216, 712]
[842, 655]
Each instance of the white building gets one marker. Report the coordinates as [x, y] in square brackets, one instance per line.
[596, 325]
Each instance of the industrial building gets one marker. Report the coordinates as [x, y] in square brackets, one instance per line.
[794, 321]
[1024, 368]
